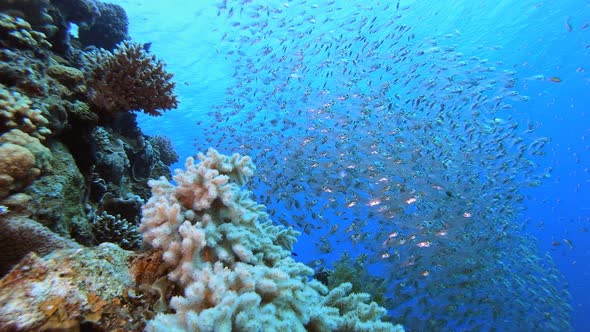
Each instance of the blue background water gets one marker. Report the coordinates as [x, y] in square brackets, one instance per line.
[529, 36]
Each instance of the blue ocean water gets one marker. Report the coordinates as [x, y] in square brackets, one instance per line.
[214, 48]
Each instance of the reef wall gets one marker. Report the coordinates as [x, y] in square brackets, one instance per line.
[74, 170]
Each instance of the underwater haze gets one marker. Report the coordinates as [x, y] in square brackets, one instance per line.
[441, 144]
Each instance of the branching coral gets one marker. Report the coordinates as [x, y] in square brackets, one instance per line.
[129, 79]
[115, 229]
[233, 264]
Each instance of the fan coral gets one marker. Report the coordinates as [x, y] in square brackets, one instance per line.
[129, 79]
[234, 264]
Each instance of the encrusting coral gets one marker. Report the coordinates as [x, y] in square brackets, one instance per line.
[234, 265]
[129, 79]
[78, 289]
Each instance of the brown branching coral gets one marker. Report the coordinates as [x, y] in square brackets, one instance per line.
[129, 79]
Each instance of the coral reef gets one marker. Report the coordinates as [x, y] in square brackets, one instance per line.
[233, 264]
[70, 290]
[20, 235]
[129, 79]
[74, 169]
[115, 229]
[109, 29]
[57, 166]
[356, 273]
[22, 160]
[16, 113]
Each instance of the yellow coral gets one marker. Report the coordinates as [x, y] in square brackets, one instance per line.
[70, 77]
[17, 167]
[16, 113]
[17, 31]
[42, 154]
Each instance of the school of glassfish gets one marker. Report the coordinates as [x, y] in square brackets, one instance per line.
[402, 150]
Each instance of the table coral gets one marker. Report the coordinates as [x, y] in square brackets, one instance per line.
[234, 264]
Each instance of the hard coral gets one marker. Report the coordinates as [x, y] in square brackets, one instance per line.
[20, 235]
[34, 11]
[16, 113]
[81, 12]
[16, 32]
[70, 77]
[42, 154]
[16, 168]
[129, 79]
[109, 29]
[164, 149]
[68, 290]
[115, 229]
